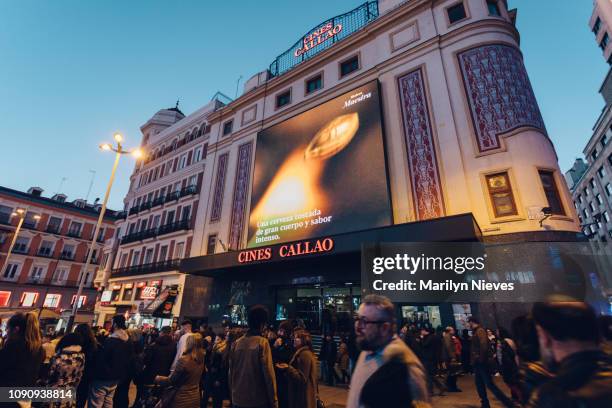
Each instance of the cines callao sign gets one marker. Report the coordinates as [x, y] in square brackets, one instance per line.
[286, 251]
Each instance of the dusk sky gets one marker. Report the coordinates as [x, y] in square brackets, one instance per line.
[73, 72]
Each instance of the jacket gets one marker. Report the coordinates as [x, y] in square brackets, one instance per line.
[18, 366]
[186, 382]
[66, 370]
[394, 350]
[114, 359]
[583, 379]
[302, 379]
[532, 374]
[158, 358]
[251, 372]
[480, 352]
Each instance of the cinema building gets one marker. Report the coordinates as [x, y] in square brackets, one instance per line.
[396, 121]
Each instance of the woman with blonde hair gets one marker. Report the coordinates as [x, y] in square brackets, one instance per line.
[22, 354]
[185, 379]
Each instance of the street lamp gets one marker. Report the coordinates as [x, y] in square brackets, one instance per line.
[21, 213]
[119, 151]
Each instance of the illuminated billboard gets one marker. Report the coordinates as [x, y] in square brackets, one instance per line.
[321, 172]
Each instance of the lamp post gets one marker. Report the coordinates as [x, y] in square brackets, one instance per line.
[119, 151]
[21, 213]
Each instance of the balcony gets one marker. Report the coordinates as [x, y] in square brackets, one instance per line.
[133, 210]
[146, 268]
[189, 190]
[175, 226]
[5, 219]
[29, 225]
[173, 196]
[74, 234]
[20, 249]
[36, 280]
[153, 232]
[145, 206]
[67, 256]
[159, 201]
[53, 229]
[45, 252]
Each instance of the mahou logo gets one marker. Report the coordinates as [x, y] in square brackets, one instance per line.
[315, 38]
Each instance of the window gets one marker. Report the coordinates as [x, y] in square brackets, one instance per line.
[128, 290]
[608, 190]
[60, 275]
[30, 220]
[227, 127]
[5, 214]
[599, 200]
[68, 252]
[52, 300]
[123, 260]
[185, 213]
[597, 26]
[585, 212]
[593, 228]
[193, 181]
[610, 159]
[580, 198]
[551, 192]
[493, 8]
[197, 156]
[456, 13]
[37, 274]
[283, 98]
[314, 84]
[178, 252]
[183, 162]
[349, 66]
[592, 207]
[604, 140]
[601, 172]
[212, 242]
[82, 301]
[605, 216]
[500, 193]
[75, 229]
[10, 272]
[28, 299]
[46, 248]
[163, 252]
[21, 245]
[135, 258]
[5, 296]
[148, 256]
[586, 192]
[592, 183]
[54, 225]
[604, 41]
[594, 154]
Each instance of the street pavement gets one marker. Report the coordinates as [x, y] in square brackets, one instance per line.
[335, 397]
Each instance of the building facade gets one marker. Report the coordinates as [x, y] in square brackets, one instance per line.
[437, 137]
[600, 24]
[47, 261]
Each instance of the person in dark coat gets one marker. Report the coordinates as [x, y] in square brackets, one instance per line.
[66, 368]
[301, 372]
[112, 365]
[22, 354]
[185, 379]
[431, 351]
[568, 336]
[159, 356]
[327, 357]
[90, 348]
[465, 351]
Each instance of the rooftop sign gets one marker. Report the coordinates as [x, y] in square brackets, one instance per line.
[324, 36]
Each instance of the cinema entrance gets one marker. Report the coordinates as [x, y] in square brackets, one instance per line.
[323, 289]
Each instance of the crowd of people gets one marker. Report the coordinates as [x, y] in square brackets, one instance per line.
[558, 356]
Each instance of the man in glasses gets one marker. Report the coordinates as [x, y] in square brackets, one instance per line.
[387, 373]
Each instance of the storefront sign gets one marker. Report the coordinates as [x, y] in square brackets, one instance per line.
[107, 296]
[324, 33]
[149, 292]
[286, 251]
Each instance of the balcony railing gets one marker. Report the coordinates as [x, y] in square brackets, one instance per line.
[53, 229]
[5, 219]
[145, 206]
[67, 256]
[175, 195]
[146, 268]
[159, 201]
[29, 225]
[172, 196]
[133, 210]
[189, 190]
[45, 252]
[74, 234]
[153, 232]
